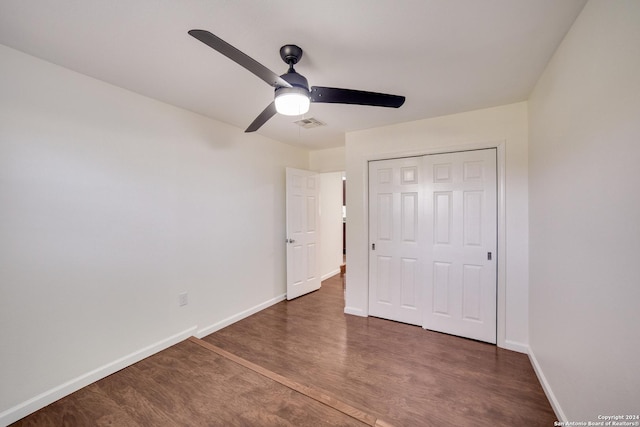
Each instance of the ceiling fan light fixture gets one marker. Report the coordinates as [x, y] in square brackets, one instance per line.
[292, 101]
[292, 94]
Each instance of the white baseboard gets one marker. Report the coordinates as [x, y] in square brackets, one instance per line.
[355, 311]
[555, 405]
[330, 274]
[229, 320]
[516, 346]
[23, 409]
[12, 415]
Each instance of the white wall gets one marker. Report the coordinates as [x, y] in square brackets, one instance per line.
[584, 158]
[111, 204]
[328, 160]
[330, 223]
[507, 125]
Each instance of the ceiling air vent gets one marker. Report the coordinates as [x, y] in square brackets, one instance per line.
[310, 123]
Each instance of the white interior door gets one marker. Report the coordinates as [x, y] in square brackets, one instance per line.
[395, 248]
[461, 208]
[303, 268]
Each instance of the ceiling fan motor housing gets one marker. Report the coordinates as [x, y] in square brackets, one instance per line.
[295, 80]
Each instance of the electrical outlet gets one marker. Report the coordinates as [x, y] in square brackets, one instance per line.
[183, 299]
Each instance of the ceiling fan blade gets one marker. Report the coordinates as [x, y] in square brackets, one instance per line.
[349, 96]
[240, 58]
[266, 114]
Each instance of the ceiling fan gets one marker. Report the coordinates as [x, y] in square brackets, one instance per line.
[292, 93]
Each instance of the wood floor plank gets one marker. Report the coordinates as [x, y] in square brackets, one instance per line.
[308, 391]
[187, 385]
[400, 373]
[91, 407]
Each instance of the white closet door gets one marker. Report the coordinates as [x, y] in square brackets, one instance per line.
[461, 210]
[395, 247]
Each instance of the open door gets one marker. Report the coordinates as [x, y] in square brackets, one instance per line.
[303, 268]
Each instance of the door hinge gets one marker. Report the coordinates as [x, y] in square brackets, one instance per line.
[489, 256]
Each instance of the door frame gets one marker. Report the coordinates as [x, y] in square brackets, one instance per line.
[501, 272]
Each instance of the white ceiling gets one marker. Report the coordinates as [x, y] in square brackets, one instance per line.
[445, 56]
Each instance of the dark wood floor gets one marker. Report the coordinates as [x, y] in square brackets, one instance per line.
[398, 373]
[401, 373]
[187, 385]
